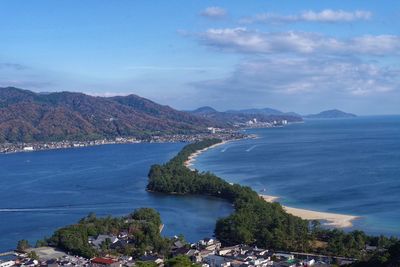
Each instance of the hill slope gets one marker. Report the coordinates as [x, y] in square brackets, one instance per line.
[232, 117]
[331, 114]
[26, 116]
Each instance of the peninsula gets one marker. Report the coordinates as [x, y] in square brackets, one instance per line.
[330, 219]
[256, 220]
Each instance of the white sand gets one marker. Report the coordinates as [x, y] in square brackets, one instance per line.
[333, 219]
[192, 158]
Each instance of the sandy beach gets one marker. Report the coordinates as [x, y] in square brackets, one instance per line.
[332, 219]
[191, 159]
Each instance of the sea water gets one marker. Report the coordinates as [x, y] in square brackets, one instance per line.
[348, 166]
[42, 191]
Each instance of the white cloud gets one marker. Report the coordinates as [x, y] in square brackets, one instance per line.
[213, 12]
[302, 80]
[248, 41]
[326, 15]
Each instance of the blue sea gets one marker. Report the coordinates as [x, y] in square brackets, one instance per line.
[349, 166]
[42, 191]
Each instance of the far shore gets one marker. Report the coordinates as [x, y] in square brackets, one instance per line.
[330, 219]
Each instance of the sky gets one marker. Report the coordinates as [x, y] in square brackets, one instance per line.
[302, 56]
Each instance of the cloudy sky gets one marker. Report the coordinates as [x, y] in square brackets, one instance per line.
[303, 56]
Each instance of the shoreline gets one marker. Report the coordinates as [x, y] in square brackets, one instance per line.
[11, 148]
[328, 219]
[332, 219]
[192, 158]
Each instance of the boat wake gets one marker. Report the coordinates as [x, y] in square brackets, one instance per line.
[251, 148]
[225, 149]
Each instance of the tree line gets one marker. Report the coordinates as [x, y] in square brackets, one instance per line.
[255, 221]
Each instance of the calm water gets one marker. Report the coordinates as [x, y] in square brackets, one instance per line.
[42, 191]
[349, 166]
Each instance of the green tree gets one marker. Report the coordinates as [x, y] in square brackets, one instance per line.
[23, 245]
[33, 255]
[180, 261]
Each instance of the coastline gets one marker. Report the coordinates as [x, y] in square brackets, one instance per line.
[332, 219]
[329, 219]
[192, 158]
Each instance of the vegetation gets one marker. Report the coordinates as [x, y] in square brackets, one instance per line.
[23, 245]
[142, 227]
[33, 255]
[180, 261]
[256, 222]
[26, 116]
[383, 257]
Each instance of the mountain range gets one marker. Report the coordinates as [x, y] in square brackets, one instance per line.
[232, 117]
[26, 116]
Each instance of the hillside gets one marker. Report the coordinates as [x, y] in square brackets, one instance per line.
[232, 117]
[26, 116]
[331, 114]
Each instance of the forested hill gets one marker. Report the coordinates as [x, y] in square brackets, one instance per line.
[26, 116]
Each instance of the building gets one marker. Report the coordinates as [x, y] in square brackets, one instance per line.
[102, 262]
[7, 263]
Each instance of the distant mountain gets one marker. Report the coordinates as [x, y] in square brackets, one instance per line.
[331, 114]
[264, 111]
[204, 110]
[232, 117]
[26, 116]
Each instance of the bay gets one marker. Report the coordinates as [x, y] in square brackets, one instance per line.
[42, 191]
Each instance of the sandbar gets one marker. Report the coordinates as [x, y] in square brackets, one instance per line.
[332, 219]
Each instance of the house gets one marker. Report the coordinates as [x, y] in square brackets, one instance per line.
[284, 256]
[214, 260]
[123, 235]
[190, 252]
[371, 248]
[104, 262]
[202, 254]
[229, 250]
[119, 244]
[206, 242]
[209, 244]
[102, 238]
[261, 262]
[309, 262]
[152, 258]
[178, 244]
[52, 263]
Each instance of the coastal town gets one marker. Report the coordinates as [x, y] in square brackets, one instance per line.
[207, 252]
[212, 132]
[37, 146]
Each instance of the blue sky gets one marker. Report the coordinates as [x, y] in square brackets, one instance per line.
[302, 56]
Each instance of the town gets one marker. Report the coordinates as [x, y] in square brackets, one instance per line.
[37, 146]
[211, 132]
[207, 252]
